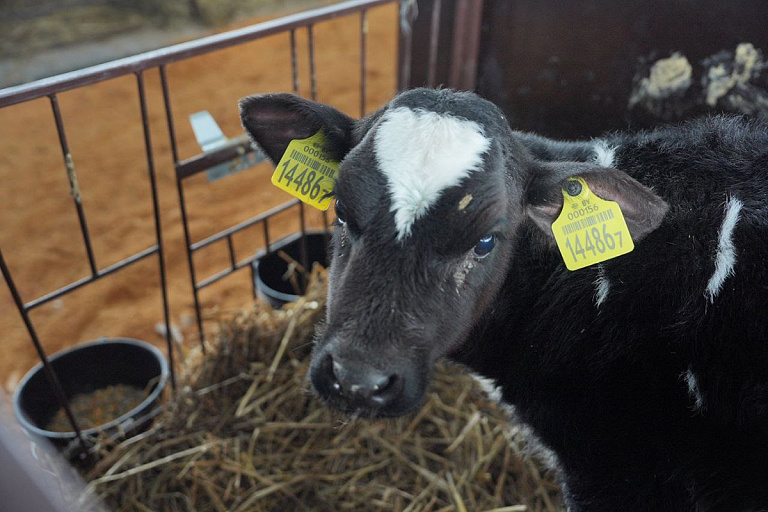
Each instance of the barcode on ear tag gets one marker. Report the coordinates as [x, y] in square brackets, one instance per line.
[307, 171]
[589, 229]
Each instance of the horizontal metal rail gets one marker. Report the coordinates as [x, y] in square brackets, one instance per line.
[204, 161]
[241, 226]
[155, 58]
[235, 266]
[48, 297]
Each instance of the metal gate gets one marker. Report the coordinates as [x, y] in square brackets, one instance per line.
[184, 169]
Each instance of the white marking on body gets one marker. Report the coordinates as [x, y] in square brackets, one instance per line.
[488, 386]
[725, 259]
[605, 154]
[693, 390]
[602, 286]
[422, 153]
[518, 430]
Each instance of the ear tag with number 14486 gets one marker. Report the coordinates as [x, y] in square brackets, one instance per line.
[589, 229]
[307, 171]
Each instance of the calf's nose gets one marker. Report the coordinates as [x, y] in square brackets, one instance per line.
[360, 385]
[357, 380]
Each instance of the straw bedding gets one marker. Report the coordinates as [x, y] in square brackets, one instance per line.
[244, 433]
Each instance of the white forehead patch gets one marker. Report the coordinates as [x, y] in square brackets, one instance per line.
[422, 153]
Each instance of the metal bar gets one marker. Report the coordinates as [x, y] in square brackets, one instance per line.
[205, 161]
[266, 234]
[466, 44]
[363, 37]
[303, 244]
[48, 297]
[215, 277]
[434, 39]
[74, 187]
[53, 380]
[231, 246]
[147, 60]
[245, 224]
[190, 262]
[240, 264]
[408, 12]
[169, 114]
[311, 44]
[158, 226]
[254, 292]
[294, 63]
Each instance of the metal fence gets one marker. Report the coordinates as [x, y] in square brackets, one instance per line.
[138, 65]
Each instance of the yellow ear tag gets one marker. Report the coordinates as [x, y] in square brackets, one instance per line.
[307, 171]
[589, 230]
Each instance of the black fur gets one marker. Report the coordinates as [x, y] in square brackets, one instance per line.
[602, 387]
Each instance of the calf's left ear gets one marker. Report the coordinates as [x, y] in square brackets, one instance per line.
[273, 120]
[643, 210]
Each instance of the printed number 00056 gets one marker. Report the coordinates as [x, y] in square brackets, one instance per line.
[594, 241]
[304, 183]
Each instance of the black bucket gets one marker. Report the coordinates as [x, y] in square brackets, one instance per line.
[87, 368]
[271, 269]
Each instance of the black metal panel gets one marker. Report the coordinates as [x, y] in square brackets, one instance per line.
[568, 69]
[424, 39]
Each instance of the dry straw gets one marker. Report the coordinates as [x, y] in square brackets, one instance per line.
[246, 434]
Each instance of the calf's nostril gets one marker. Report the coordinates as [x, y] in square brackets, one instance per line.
[381, 383]
[359, 380]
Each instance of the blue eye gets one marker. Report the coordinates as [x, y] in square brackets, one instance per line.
[484, 246]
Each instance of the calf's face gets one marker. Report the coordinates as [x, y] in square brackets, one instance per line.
[430, 194]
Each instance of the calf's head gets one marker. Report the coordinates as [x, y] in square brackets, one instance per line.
[431, 193]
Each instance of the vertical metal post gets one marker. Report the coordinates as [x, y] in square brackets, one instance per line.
[294, 63]
[304, 251]
[466, 44]
[74, 186]
[53, 380]
[232, 257]
[408, 12]
[363, 37]
[266, 236]
[158, 227]
[182, 206]
[313, 96]
[168, 114]
[312, 78]
[434, 39]
[191, 263]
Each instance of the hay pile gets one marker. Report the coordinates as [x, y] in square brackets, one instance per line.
[245, 433]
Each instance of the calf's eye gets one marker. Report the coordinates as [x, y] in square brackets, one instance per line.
[484, 246]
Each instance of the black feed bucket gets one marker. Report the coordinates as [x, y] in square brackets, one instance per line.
[87, 368]
[272, 284]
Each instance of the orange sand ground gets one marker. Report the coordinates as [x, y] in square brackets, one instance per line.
[39, 232]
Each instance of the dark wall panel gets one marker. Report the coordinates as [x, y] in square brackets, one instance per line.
[570, 68]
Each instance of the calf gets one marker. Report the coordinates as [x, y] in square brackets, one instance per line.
[644, 378]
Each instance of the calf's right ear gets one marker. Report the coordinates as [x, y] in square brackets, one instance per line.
[273, 120]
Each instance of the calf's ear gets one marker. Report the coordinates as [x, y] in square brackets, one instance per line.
[273, 120]
[643, 210]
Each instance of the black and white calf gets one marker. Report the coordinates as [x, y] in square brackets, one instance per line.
[645, 377]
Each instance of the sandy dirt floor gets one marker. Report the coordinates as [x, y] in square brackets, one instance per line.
[39, 232]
